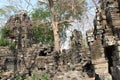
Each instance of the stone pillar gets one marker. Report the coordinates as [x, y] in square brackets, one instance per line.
[115, 69]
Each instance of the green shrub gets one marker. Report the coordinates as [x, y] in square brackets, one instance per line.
[11, 46]
[34, 77]
[43, 34]
[43, 76]
[4, 32]
[3, 42]
[17, 77]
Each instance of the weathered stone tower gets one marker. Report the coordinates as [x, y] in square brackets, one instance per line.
[107, 38]
[20, 34]
[20, 30]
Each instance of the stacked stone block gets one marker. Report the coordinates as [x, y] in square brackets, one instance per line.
[106, 34]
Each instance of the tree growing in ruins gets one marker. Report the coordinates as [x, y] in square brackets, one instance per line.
[63, 11]
[42, 32]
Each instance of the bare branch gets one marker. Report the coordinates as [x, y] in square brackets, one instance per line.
[60, 22]
[42, 2]
[28, 2]
[95, 3]
[38, 22]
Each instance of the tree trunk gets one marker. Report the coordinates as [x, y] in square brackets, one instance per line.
[56, 36]
[54, 26]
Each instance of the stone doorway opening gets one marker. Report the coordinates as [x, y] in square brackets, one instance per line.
[109, 55]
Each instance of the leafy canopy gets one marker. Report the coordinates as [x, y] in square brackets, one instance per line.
[42, 30]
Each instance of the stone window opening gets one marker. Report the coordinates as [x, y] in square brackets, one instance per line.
[42, 53]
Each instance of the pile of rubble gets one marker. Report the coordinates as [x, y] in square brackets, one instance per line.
[74, 65]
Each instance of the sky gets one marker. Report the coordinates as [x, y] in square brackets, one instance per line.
[18, 4]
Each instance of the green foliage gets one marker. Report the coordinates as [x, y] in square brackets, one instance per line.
[17, 77]
[4, 34]
[34, 77]
[43, 34]
[40, 14]
[3, 42]
[11, 46]
[44, 76]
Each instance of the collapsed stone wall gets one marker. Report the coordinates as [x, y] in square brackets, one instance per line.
[32, 59]
[105, 39]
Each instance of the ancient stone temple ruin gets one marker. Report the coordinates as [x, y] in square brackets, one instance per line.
[19, 35]
[27, 58]
[104, 40]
